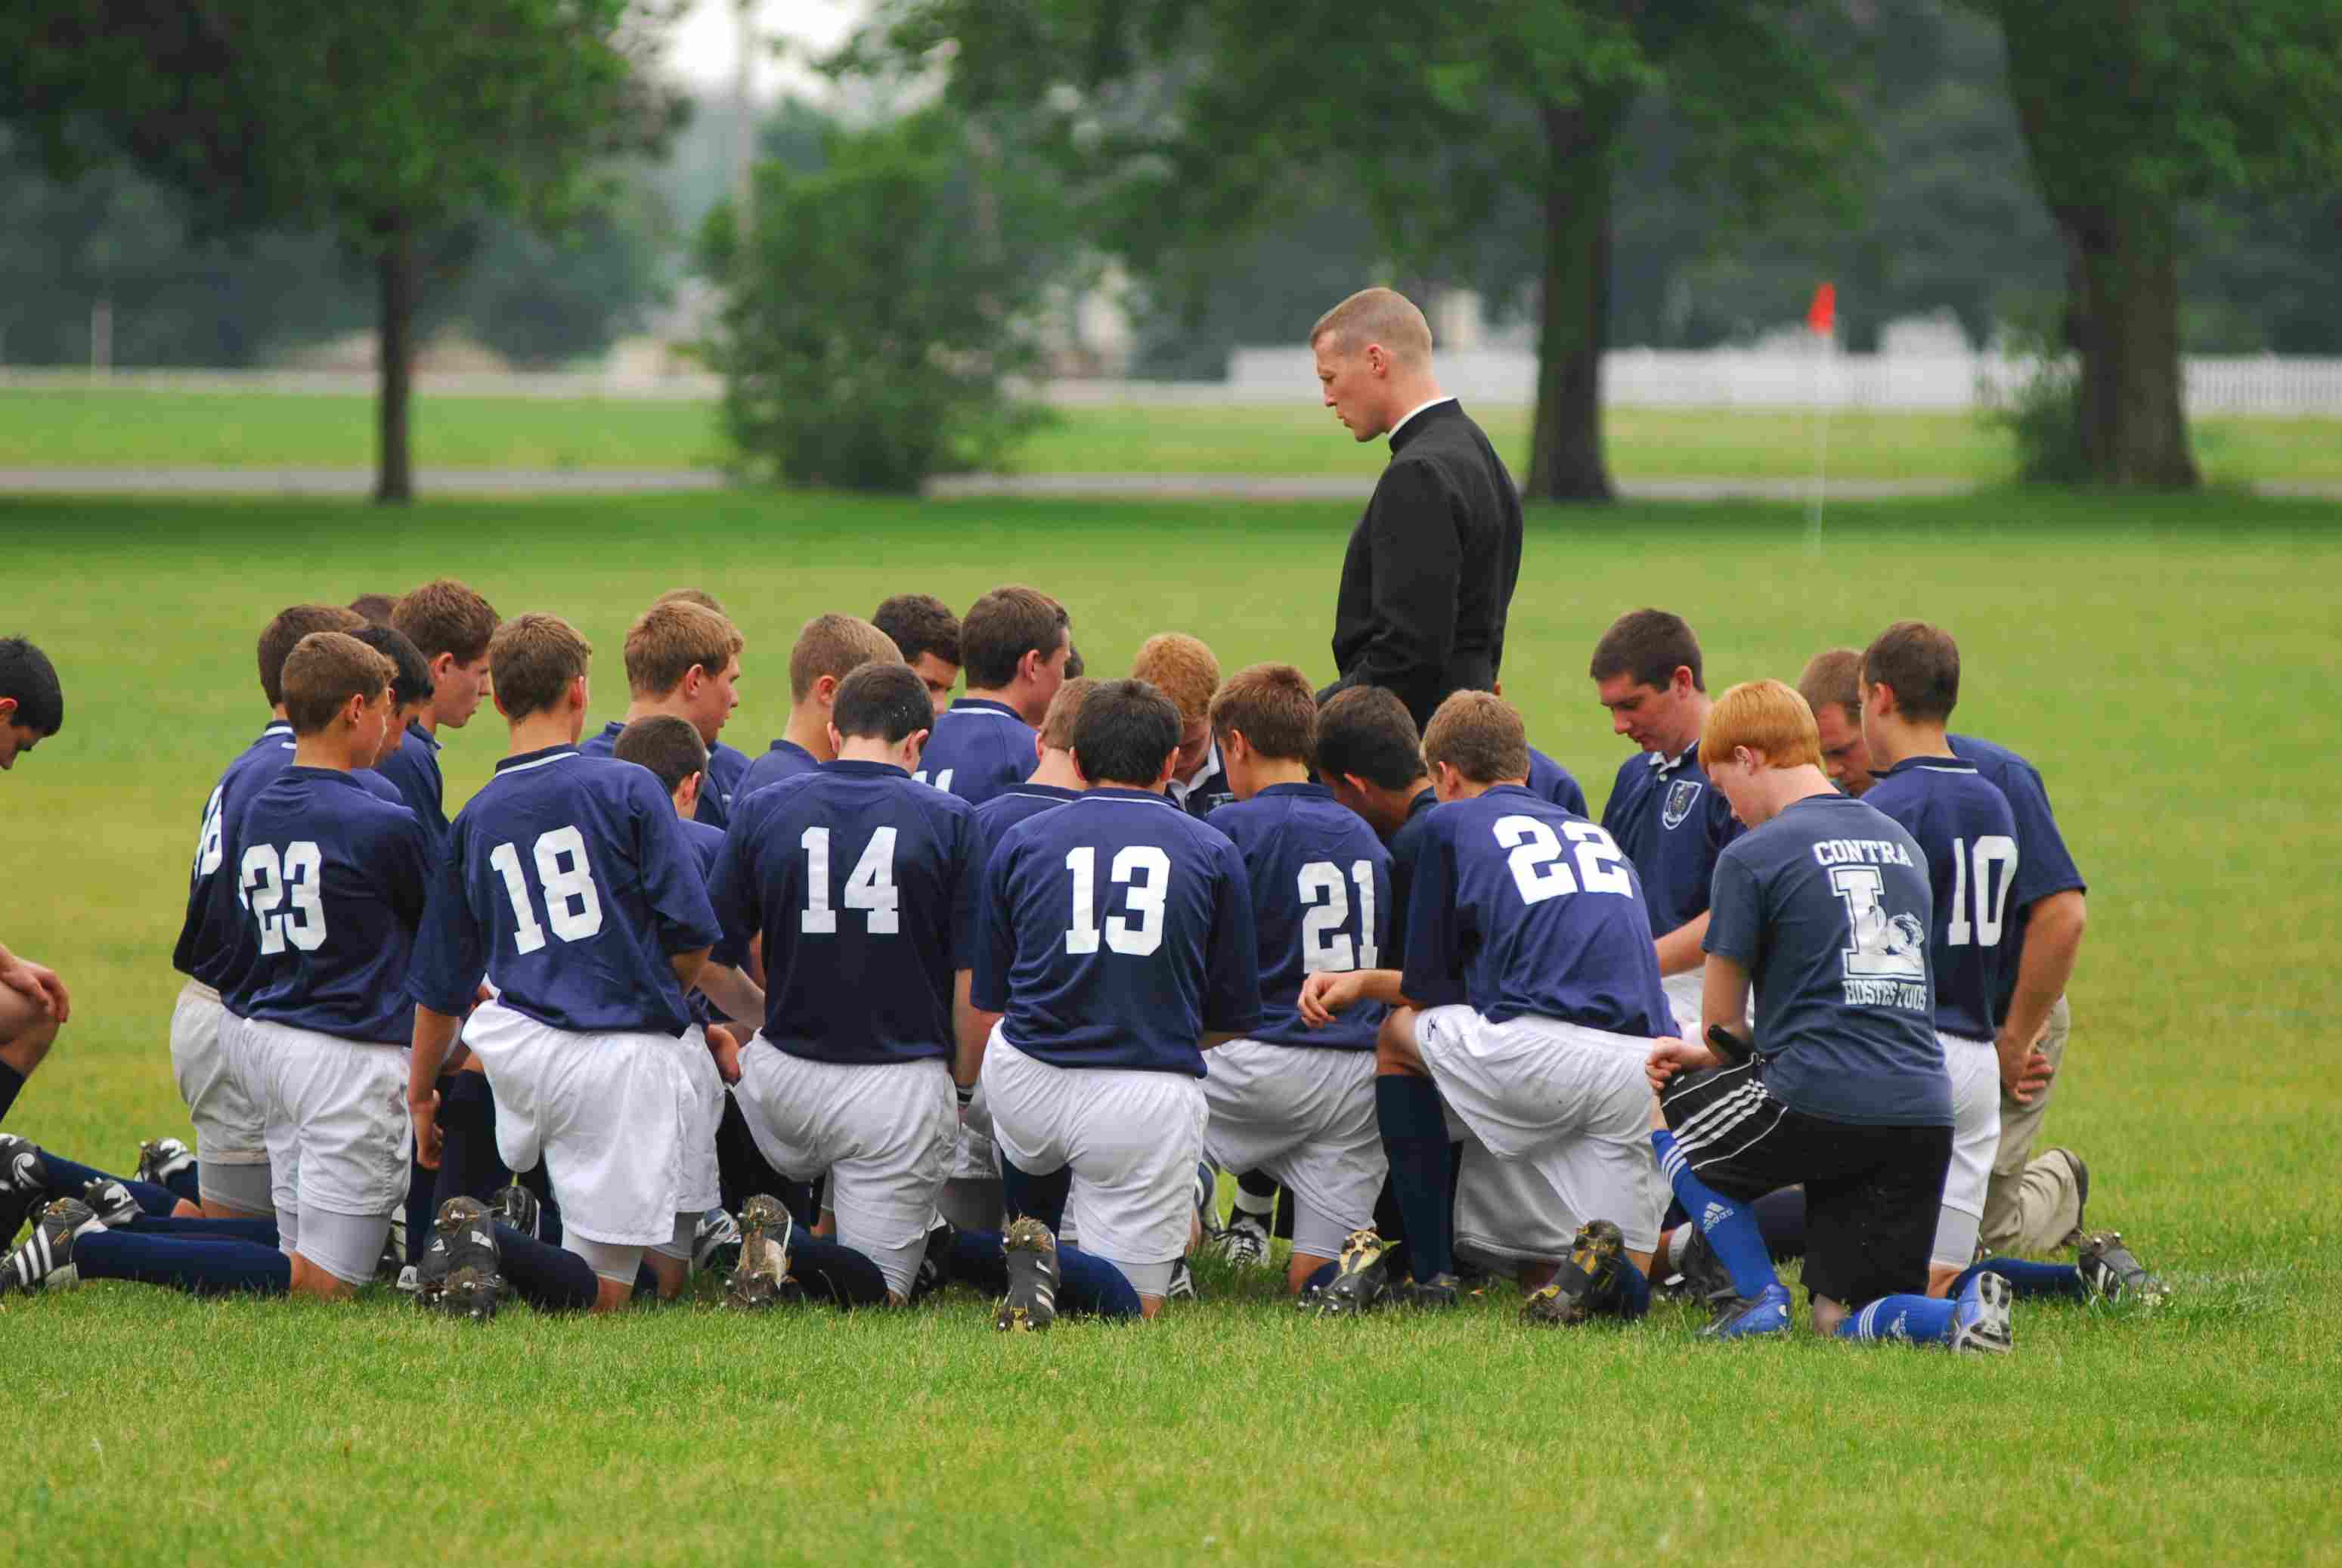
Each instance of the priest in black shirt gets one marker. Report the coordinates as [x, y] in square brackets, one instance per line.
[1431, 565]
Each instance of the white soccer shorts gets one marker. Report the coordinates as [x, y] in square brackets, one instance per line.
[1973, 1066]
[1306, 1117]
[229, 1130]
[339, 1140]
[1132, 1138]
[1569, 1100]
[625, 1122]
[885, 1132]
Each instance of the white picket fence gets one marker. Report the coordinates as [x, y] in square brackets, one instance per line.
[1631, 378]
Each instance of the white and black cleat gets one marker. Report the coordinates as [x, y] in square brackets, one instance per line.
[160, 1159]
[1245, 1242]
[1983, 1320]
[24, 1182]
[462, 1272]
[110, 1201]
[46, 1260]
[761, 1277]
[1031, 1304]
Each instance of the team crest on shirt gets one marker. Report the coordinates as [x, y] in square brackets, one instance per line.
[1681, 796]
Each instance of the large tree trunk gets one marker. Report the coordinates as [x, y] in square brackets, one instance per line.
[394, 467]
[1565, 445]
[2122, 318]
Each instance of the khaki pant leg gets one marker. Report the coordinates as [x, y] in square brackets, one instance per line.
[2033, 1204]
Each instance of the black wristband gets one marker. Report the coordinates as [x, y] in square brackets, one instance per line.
[965, 1093]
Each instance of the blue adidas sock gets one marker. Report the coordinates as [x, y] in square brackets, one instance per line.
[546, 1276]
[1042, 1198]
[1088, 1283]
[1914, 1320]
[2027, 1279]
[201, 1265]
[833, 1272]
[1415, 1139]
[1781, 1220]
[11, 1082]
[1731, 1229]
[979, 1261]
[1633, 1291]
[259, 1233]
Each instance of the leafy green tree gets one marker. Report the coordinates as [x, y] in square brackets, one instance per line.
[1194, 118]
[390, 126]
[879, 307]
[2131, 109]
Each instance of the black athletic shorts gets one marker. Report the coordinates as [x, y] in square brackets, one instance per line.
[1872, 1194]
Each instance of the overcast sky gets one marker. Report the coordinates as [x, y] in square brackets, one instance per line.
[703, 47]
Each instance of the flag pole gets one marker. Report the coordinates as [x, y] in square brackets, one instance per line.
[1821, 319]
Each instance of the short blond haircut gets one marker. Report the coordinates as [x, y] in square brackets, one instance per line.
[326, 669]
[1381, 315]
[836, 646]
[1274, 708]
[532, 659]
[1481, 736]
[1183, 669]
[1058, 723]
[1767, 717]
[1834, 675]
[672, 636]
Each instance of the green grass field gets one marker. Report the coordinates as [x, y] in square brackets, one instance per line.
[2164, 663]
[111, 428]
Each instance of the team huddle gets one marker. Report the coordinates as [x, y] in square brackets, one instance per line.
[988, 992]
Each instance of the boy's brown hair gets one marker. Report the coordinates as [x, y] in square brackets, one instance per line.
[1274, 708]
[447, 617]
[1481, 736]
[282, 633]
[531, 662]
[325, 670]
[672, 636]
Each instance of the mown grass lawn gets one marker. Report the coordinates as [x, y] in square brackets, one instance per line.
[2163, 662]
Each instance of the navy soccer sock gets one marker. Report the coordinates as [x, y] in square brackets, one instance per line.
[1088, 1283]
[1324, 1277]
[1634, 1291]
[200, 1264]
[185, 1186]
[1042, 1198]
[977, 1261]
[545, 1276]
[68, 1177]
[259, 1233]
[1781, 1218]
[1731, 1229]
[832, 1271]
[469, 1165]
[11, 1082]
[1415, 1138]
[2027, 1279]
[420, 1183]
[1914, 1320]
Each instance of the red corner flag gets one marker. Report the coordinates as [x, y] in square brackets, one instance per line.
[1822, 314]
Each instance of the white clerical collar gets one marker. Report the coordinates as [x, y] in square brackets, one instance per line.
[1418, 408]
[1668, 764]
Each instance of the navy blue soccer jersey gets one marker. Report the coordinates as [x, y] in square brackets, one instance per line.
[861, 881]
[1011, 806]
[1520, 908]
[718, 788]
[1321, 899]
[784, 759]
[567, 881]
[1405, 846]
[1557, 783]
[332, 880]
[2044, 866]
[977, 749]
[211, 948]
[1828, 906]
[414, 768]
[706, 845]
[1672, 823]
[1964, 828]
[1114, 931]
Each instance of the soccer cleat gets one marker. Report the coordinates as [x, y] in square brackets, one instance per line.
[2112, 1273]
[110, 1201]
[1362, 1280]
[1245, 1242]
[1588, 1281]
[45, 1260]
[1183, 1283]
[935, 1260]
[761, 1279]
[1982, 1322]
[462, 1274]
[715, 1243]
[24, 1181]
[514, 1208]
[1031, 1304]
[1436, 1294]
[1705, 1277]
[160, 1159]
[1760, 1316]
